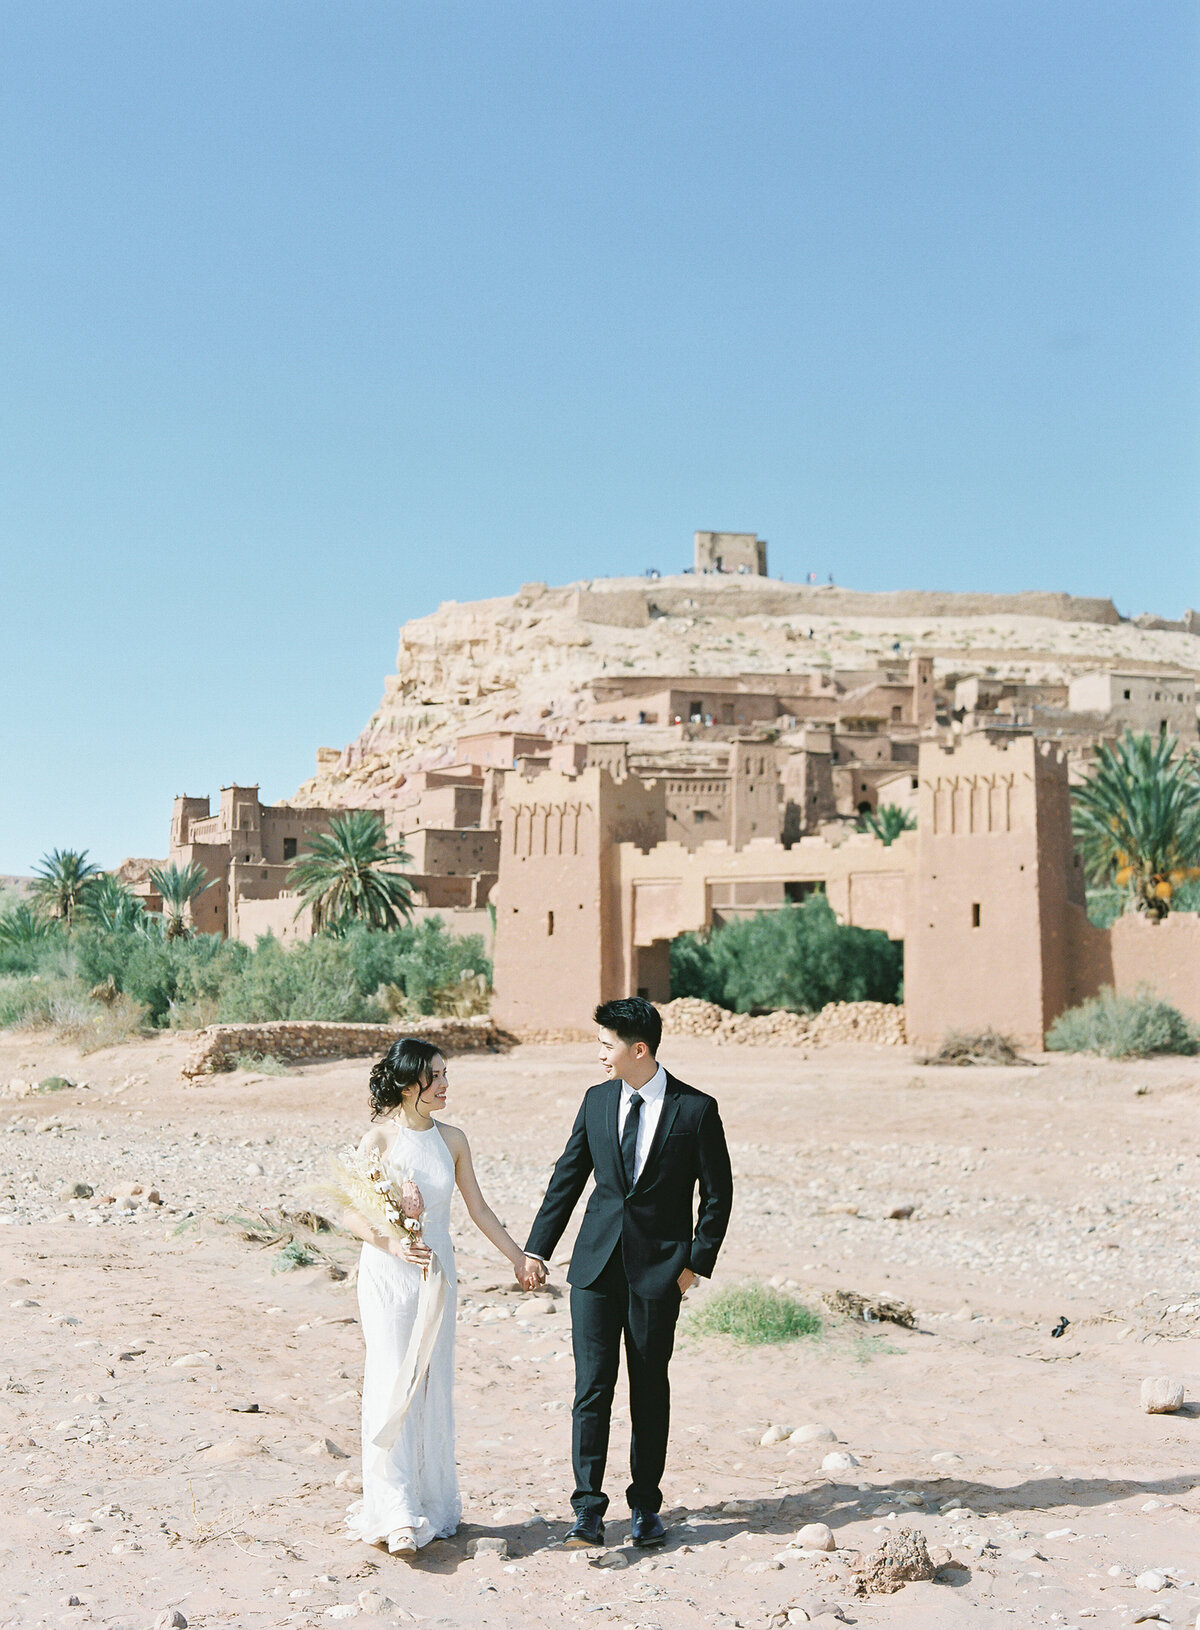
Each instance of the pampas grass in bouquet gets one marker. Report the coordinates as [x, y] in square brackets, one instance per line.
[358, 1182]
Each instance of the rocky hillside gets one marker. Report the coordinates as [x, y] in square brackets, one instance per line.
[525, 661]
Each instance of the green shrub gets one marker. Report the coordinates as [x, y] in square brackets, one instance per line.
[799, 958]
[311, 979]
[1123, 1027]
[263, 1063]
[27, 938]
[63, 1007]
[187, 982]
[754, 1314]
[294, 1255]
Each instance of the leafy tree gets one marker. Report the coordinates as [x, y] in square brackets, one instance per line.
[1137, 819]
[800, 957]
[179, 886]
[348, 876]
[63, 879]
[887, 822]
[109, 905]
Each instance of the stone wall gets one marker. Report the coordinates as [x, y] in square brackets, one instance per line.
[1163, 955]
[295, 1042]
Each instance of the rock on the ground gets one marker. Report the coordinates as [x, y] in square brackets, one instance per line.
[491, 1545]
[170, 1619]
[901, 1558]
[839, 1461]
[326, 1447]
[816, 1536]
[1152, 1579]
[375, 1602]
[775, 1434]
[1161, 1395]
[814, 1434]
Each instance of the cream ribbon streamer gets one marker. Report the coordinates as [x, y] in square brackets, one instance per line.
[431, 1306]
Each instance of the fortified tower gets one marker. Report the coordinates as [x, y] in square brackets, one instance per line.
[558, 913]
[999, 893]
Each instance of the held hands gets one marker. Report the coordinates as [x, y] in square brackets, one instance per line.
[530, 1273]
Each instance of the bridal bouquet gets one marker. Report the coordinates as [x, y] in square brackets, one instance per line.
[358, 1182]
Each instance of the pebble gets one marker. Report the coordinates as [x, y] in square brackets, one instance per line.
[348, 1480]
[816, 1536]
[609, 1559]
[77, 1191]
[491, 1545]
[374, 1602]
[178, 1363]
[170, 1619]
[255, 1170]
[24, 1301]
[326, 1446]
[839, 1461]
[900, 1213]
[946, 1457]
[772, 1566]
[814, 1434]
[1152, 1579]
[775, 1434]
[1161, 1395]
[342, 1610]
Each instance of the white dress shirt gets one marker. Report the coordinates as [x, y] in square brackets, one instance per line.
[652, 1103]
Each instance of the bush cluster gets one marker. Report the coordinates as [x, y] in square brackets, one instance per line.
[800, 958]
[755, 1314]
[136, 979]
[1123, 1027]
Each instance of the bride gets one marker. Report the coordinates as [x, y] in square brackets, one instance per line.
[406, 1299]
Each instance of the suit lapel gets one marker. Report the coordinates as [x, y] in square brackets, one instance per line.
[670, 1108]
[611, 1114]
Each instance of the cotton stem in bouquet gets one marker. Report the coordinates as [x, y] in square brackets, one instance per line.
[358, 1182]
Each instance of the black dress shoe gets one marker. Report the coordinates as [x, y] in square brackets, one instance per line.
[586, 1530]
[647, 1530]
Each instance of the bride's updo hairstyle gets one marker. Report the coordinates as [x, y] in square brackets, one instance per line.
[407, 1063]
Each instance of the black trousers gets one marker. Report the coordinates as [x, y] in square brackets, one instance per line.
[601, 1314]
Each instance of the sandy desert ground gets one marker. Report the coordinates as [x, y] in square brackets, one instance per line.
[180, 1421]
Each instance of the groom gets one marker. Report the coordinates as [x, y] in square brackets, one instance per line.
[649, 1141]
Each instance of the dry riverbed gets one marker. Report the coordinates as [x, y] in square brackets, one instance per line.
[179, 1410]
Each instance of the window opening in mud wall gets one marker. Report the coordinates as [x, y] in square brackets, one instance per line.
[289, 848]
[549, 922]
[975, 915]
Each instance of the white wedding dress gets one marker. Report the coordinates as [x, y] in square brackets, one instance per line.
[414, 1484]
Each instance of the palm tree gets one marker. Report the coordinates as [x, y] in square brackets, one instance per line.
[22, 928]
[108, 904]
[178, 886]
[887, 822]
[64, 877]
[1137, 820]
[347, 876]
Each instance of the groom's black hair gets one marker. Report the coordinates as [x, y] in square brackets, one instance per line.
[633, 1018]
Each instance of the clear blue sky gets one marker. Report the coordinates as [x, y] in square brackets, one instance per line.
[314, 314]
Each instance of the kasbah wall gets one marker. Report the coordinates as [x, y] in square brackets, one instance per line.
[987, 896]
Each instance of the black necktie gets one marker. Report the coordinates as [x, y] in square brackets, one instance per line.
[629, 1137]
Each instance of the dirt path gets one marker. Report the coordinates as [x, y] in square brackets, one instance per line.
[135, 1335]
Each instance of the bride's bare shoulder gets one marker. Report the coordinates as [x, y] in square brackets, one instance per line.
[375, 1141]
[454, 1139]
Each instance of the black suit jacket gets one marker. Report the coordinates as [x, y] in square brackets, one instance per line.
[659, 1231]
